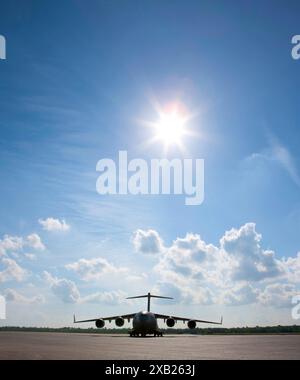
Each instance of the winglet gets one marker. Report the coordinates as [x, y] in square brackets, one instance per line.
[221, 320]
[74, 319]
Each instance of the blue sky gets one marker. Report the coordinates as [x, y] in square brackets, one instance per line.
[76, 82]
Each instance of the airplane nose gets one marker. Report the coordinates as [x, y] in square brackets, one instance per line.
[144, 322]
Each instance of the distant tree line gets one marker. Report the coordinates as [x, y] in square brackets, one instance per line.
[295, 329]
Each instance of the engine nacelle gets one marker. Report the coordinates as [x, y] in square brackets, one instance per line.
[100, 323]
[191, 324]
[120, 321]
[170, 322]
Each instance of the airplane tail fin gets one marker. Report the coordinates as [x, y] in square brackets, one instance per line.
[149, 296]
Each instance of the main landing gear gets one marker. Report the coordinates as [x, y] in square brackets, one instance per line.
[143, 335]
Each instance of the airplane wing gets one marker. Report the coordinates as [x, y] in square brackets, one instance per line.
[125, 316]
[161, 316]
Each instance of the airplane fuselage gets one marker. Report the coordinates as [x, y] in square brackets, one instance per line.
[144, 323]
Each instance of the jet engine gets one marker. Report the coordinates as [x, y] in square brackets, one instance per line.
[191, 324]
[100, 323]
[119, 321]
[170, 322]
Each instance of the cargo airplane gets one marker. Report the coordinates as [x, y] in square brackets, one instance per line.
[145, 322]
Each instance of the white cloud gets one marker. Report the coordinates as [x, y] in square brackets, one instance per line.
[278, 153]
[252, 263]
[30, 256]
[279, 295]
[10, 243]
[283, 156]
[148, 242]
[241, 294]
[14, 244]
[12, 271]
[51, 224]
[34, 241]
[12, 295]
[238, 271]
[291, 267]
[108, 298]
[68, 292]
[183, 293]
[64, 289]
[95, 269]
[137, 277]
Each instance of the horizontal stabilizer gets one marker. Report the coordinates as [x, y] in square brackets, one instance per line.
[149, 295]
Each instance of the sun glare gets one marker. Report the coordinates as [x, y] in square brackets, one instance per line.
[170, 128]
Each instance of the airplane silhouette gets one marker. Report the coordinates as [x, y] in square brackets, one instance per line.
[145, 322]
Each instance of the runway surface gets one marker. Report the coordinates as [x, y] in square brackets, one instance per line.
[27, 345]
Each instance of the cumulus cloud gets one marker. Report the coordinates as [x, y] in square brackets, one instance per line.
[64, 289]
[34, 241]
[52, 224]
[184, 293]
[278, 295]
[14, 244]
[148, 242]
[12, 271]
[240, 294]
[95, 269]
[291, 267]
[190, 263]
[252, 263]
[10, 243]
[11, 249]
[67, 291]
[12, 295]
[237, 271]
[108, 298]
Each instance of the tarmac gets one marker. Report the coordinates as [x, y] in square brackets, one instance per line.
[36, 346]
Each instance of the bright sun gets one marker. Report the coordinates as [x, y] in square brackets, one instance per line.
[170, 128]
